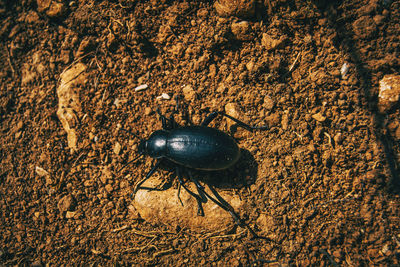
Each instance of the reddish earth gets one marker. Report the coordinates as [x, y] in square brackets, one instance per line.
[322, 183]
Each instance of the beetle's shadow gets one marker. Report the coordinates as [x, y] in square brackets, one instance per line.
[242, 174]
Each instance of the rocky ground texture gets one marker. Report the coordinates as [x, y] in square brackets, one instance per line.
[81, 81]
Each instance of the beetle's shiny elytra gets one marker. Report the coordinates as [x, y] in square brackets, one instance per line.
[196, 147]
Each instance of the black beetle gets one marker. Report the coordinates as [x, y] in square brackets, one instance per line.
[195, 147]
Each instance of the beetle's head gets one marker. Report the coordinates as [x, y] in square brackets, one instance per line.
[155, 145]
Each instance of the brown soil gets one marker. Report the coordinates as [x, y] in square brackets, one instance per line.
[326, 187]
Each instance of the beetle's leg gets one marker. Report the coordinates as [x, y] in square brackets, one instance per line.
[179, 193]
[222, 204]
[177, 103]
[228, 208]
[172, 122]
[163, 120]
[168, 124]
[209, 118]
[180, 185]
[245, 125]
[213, 115]
[199, 187]
[232, 212]
[149, 174]
[200, 210]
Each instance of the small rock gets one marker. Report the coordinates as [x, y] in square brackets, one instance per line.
[67, 203]
[164, 96]
[103, 179]
[70, 214]
[56, 10]
[335, 73]
[344, 69]
[338, 138]
[285, 122]
[105, 175]
[212, 71]
[386, 250]
[237, 8]
[118, 102]
[141, 87]
[117, 148]
[41, 172]
[109, 188]
[28, 76]
[389, 92]
[288, 161]
[284, 194]
[202, 13]
[17, 135]
[68, 101]
[379, 19]
[148, 111]
[164, 207]
[32, 17]
[43, 4]
[268, 103]
[250, 66]
[241, 30]
[189, 93]
[221, 88]
[232, 109]
[270, 43]
[319, 117]
[19, 126]
[88, 183]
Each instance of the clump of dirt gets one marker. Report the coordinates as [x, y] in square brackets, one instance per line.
[321, 183]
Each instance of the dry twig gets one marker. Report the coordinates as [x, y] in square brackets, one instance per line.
[10, 61]
[162, 252]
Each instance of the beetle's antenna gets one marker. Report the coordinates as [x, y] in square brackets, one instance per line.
[129, 162]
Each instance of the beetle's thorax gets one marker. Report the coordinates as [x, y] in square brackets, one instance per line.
[156, 145]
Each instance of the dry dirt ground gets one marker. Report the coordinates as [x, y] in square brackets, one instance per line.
[321, 183]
